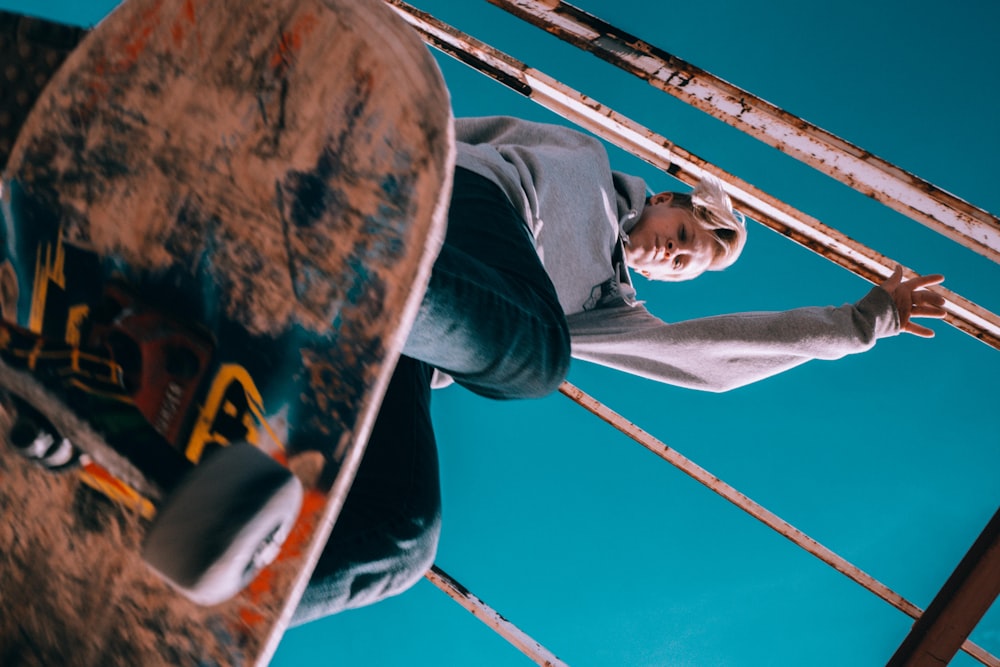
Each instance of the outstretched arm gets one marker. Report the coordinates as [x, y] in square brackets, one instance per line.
[723, 352]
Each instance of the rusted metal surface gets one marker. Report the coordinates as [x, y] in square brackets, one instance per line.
[685, 166]
[958, 607]
[902, 191]
[757, 511]
[491, 618]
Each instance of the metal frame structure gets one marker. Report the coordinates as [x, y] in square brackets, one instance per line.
[942, 629]
[490, 617]
[957, 608]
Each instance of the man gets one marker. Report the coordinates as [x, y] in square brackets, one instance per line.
[534, 269]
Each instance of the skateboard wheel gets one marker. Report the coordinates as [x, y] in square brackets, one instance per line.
[223, 524]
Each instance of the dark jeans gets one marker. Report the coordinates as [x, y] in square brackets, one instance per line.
[491, 320]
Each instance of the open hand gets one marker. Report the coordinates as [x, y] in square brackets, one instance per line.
[912, 301]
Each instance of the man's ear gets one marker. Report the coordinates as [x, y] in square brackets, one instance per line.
[662, 198]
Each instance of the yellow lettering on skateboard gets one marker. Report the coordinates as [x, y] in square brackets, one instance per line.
[74, 320]
[51, 270]
[232, 411]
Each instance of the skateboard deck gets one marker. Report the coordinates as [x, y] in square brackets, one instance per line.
[269, 179]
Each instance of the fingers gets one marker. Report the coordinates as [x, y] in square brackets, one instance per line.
[924, 303]
[891, 283]
[920, 281]
[913, 301]
[917, 330]
[895, 281]
[928, 311]
[929, 298]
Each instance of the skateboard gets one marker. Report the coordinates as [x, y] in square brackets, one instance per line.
[217, 223]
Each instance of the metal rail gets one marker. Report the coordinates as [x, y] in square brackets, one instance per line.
[487, 615]
[685, 166]
[898, 189]
[759, 512]
[958, 607]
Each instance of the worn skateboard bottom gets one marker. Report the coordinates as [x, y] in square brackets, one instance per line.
[74, 555]
[304, 150]
[73, 587]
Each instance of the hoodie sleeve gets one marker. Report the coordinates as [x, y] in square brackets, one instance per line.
[729, 351]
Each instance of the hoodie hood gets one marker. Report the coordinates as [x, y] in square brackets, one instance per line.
[631, 192]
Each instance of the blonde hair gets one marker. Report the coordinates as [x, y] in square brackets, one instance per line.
[713, 210]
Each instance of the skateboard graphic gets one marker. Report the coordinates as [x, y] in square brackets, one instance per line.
[217, 223]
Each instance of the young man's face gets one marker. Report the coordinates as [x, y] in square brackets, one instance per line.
[667, 243]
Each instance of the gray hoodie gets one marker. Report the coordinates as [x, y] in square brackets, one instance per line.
[579, 210]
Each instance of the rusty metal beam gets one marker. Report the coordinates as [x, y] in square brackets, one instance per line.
[762, 514]
[960, 604]
[491, 618]
[902, 191]
[685, 166]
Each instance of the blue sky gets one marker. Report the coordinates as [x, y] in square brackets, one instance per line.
[609, 556]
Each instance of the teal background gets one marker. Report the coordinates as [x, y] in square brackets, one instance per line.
[609, 556]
